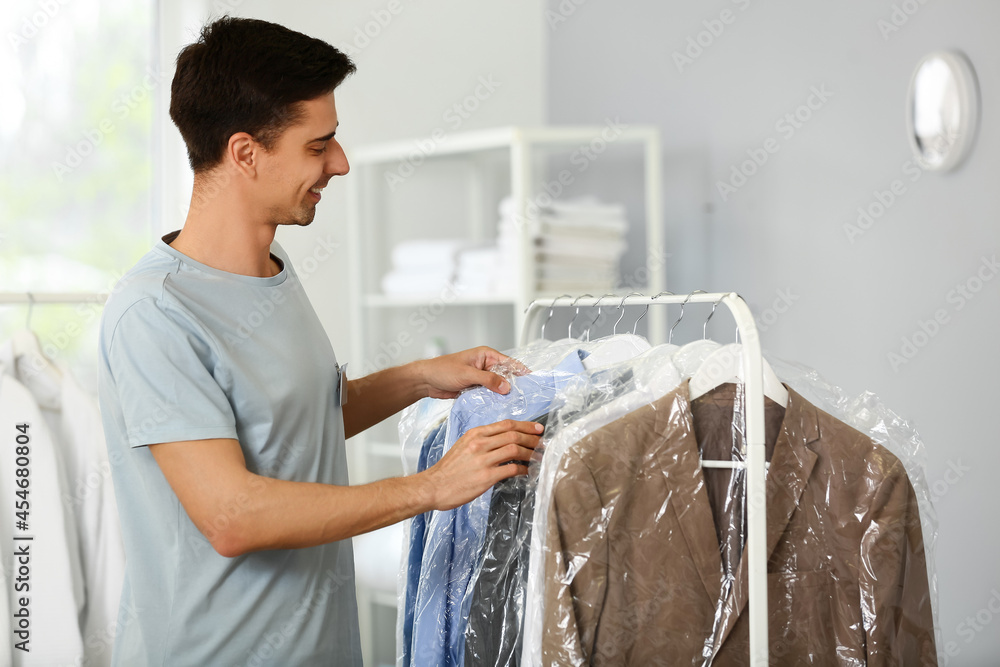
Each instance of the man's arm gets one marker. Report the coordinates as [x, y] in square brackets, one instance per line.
[240, 512]
[382, 394]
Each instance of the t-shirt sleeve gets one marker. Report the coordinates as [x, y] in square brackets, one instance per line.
[165, 378]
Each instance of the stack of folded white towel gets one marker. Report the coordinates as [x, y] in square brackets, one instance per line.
[578, 244]
[479, 271]
[433, 267]
[424, 266]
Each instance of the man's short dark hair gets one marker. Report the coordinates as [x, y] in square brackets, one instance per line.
[247, 75]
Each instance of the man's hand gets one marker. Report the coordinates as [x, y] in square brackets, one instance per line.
[383, 393]
[478, 460]
[446, 376]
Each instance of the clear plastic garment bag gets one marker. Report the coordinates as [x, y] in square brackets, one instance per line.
[647, 532]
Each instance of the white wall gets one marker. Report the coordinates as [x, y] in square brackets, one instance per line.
[178, 24]
[784, 229]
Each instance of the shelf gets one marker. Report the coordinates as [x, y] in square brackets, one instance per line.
[390, 301]
[444, 144]
[480, 317]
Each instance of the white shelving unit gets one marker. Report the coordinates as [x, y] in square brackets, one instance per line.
[521, 153]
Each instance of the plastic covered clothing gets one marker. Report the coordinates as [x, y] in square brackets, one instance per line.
[493, 634]
[623, 546]
[632, 567]
[589, 403]
[429, 455]
[454, 538]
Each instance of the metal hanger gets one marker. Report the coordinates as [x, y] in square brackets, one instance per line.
[654, 298]
[594, 321]
[569, 329]
[704, 329]
[614, 329]
[670, 334]
[635, 325]
[551, 310]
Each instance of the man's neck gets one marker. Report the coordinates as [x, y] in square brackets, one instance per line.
[227, 241]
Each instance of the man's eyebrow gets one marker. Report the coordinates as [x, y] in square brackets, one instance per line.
[326, 137]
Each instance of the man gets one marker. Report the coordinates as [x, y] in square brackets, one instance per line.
[221, 396]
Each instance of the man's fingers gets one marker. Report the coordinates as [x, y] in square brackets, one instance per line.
[500, 362]
[485, 455]
[516, 366]
[496, 428]
[491, 381]
[511, 452]
[511, 470]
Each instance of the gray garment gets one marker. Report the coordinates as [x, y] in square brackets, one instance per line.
[493, 635]
[189, 352]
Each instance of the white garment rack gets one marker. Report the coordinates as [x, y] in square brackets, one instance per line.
[756, 489]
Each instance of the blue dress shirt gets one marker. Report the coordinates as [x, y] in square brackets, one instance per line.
[430, 453]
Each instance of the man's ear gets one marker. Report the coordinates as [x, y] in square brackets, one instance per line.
[243, 152]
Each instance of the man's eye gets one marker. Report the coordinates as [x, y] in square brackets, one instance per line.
[319, 151]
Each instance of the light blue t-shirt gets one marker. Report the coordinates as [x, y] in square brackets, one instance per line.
[189, 352]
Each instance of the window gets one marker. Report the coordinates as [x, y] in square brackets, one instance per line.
[78, 83]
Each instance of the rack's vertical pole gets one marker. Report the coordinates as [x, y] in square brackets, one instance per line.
[356, 191]
[756, 480]
[357, 455]
[477, 225]
[656, 262]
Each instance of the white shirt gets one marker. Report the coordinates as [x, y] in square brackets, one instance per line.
[74, 422]
[55, 637]
[91, 494]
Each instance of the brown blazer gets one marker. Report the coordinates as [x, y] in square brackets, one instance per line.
[633, 574]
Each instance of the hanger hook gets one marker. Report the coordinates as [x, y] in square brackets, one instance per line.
[551, 310]
[704, 329]
[614, 329]
[635, 325]
[31, 307]
[569, 329]
[654, 298]
[597, 304]
[670, 334]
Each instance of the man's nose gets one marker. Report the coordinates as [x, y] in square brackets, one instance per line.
[338, 164]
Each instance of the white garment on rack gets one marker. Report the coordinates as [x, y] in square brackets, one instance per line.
[74, 423]
[726, 365]
[6, 638]
[91, 493]
[56, 589]
[613, 350]
[654, 377]
[689, 358]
